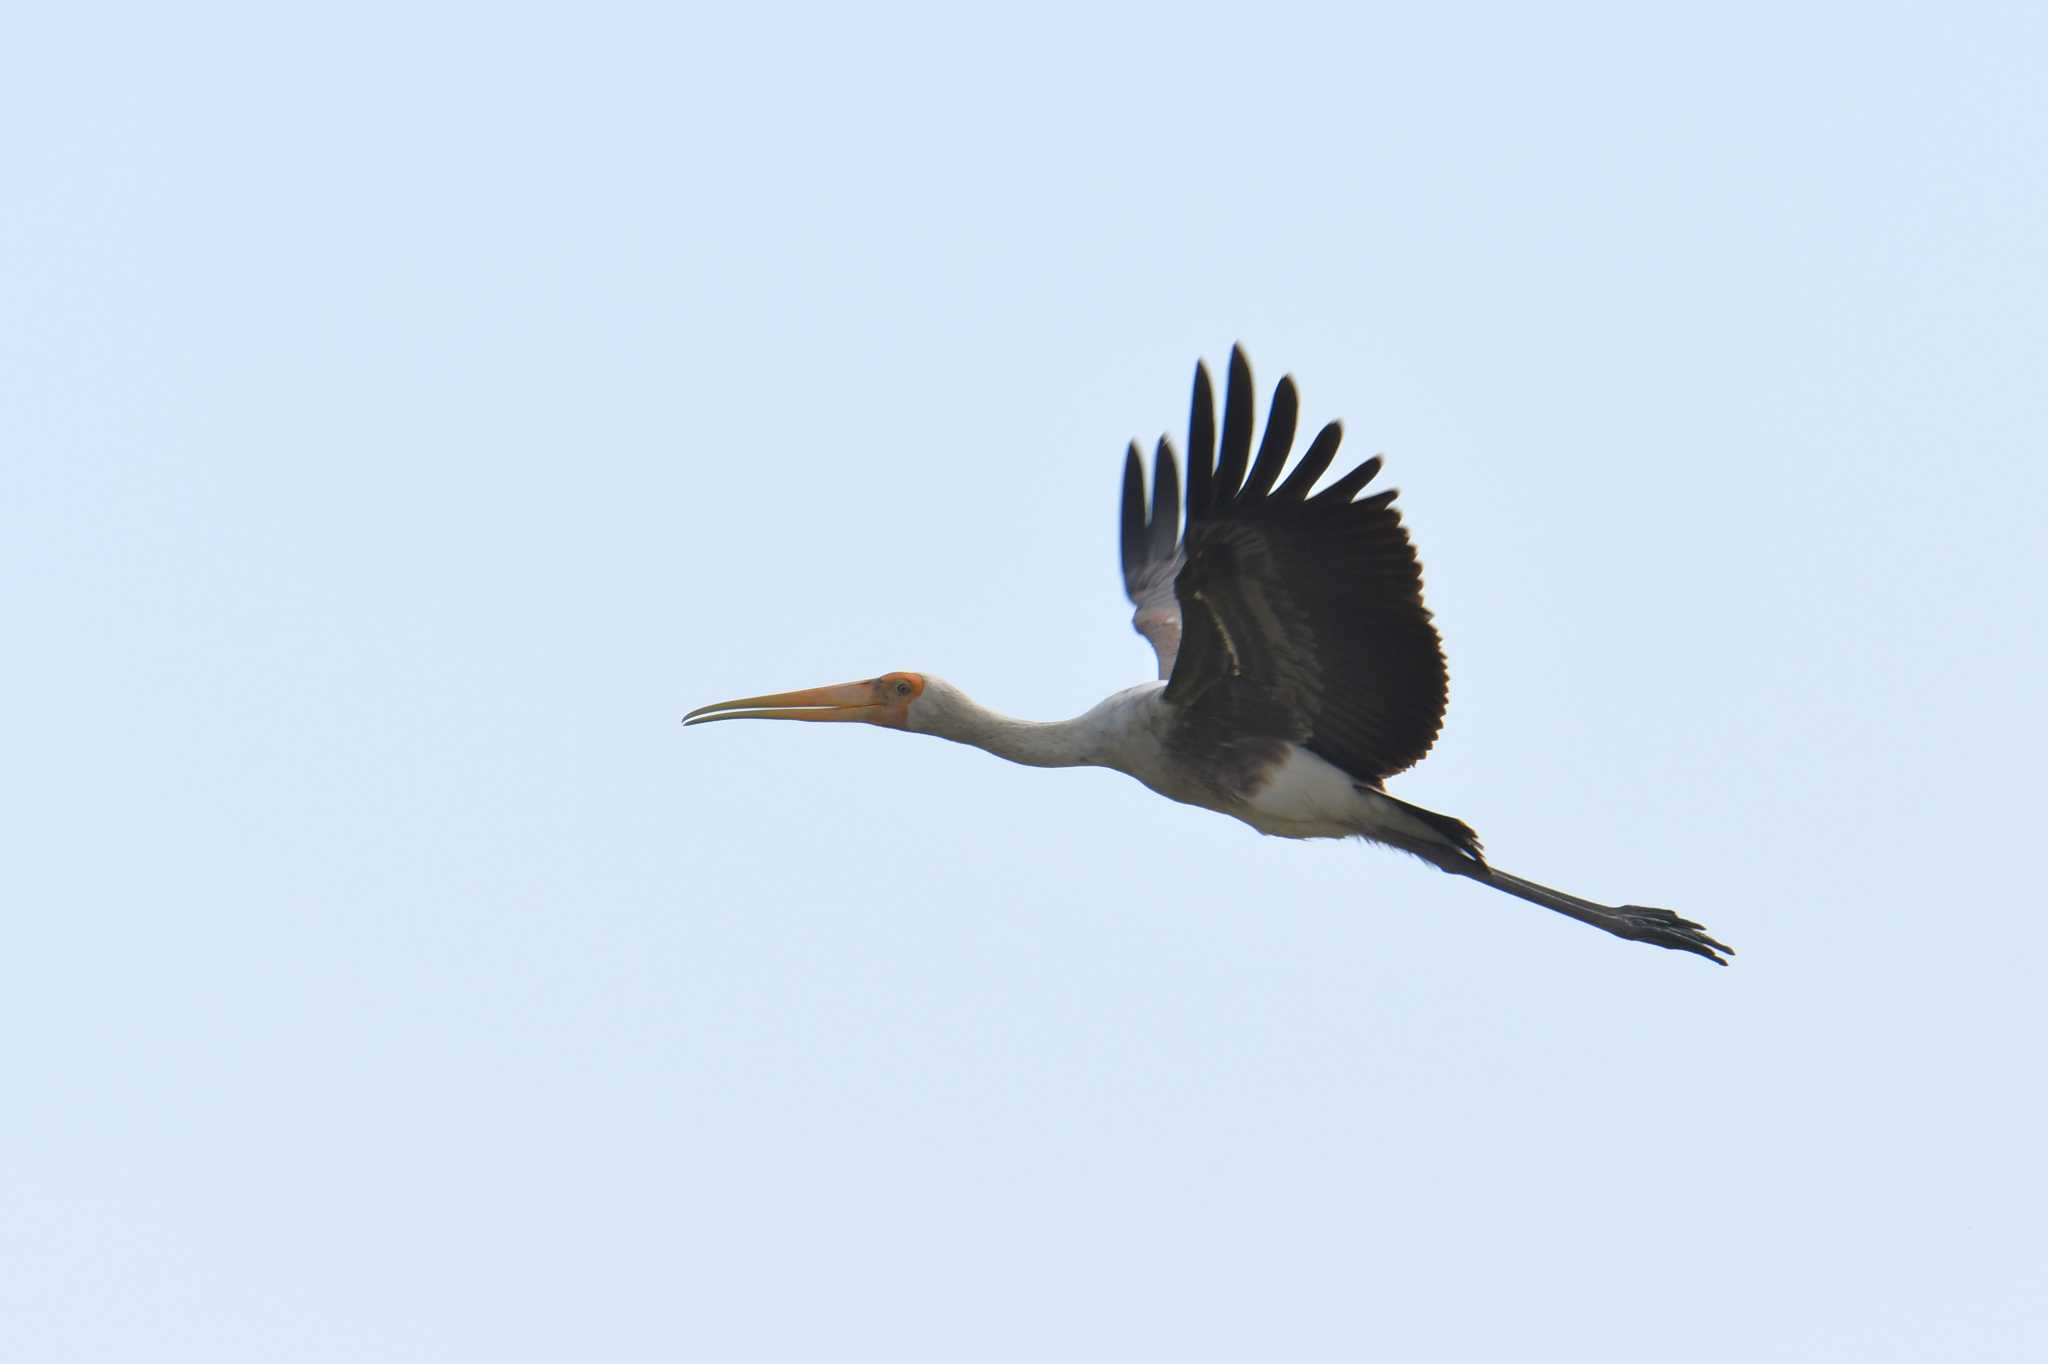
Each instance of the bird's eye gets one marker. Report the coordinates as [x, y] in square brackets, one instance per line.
[902, 687]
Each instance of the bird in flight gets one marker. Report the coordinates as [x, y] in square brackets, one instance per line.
[1298, 667]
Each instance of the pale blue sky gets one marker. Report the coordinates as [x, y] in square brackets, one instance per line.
[405, 417]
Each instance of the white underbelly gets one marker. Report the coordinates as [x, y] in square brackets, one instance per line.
[1302, 796]
[1308, 797]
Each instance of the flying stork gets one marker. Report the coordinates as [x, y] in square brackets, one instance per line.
[1298, 667]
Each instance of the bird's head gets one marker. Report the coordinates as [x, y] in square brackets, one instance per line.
[892, 700]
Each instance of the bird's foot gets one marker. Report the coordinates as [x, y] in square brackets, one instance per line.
[1665, 929]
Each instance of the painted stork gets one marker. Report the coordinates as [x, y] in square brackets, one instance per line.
[1298, 667]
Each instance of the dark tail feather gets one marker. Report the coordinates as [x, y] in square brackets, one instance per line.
[1455, 832]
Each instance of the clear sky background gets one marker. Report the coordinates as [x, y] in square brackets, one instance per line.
[406, 415]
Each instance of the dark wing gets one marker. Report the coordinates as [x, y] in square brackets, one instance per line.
[1301, 617]
[1151, 551]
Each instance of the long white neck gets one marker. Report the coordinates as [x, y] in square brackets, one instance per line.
[1084, 741]
[1035, 743]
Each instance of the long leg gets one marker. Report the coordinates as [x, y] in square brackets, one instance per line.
[1451, 845]
[1634, 922]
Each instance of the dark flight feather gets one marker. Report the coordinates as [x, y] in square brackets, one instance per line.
[1301, 616]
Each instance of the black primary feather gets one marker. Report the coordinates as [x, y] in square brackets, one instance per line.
[1279, 439]
[1301, 616]
[1201, 442]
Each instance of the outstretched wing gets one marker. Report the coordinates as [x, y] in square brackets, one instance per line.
[1293, 617]
[1151, 551]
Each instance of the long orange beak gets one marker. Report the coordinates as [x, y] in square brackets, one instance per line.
[847, 701]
